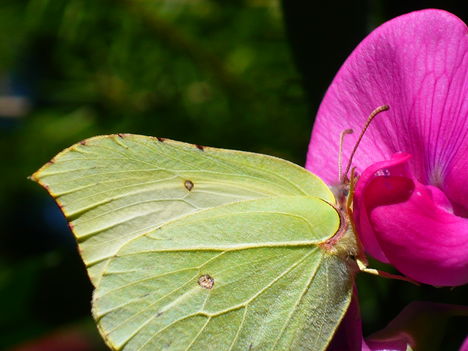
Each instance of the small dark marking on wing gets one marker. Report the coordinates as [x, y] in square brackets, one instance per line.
[206, 281]
[161, 139]
[83, 142]
[200, 147]
[120, 143]
[51, 162]
[188, 185]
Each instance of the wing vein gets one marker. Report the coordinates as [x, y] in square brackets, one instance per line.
[294, 308]
[265, 288]
[198, 334]
[148, 307]
[241, 325]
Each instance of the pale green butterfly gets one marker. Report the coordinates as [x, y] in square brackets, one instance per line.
[196, 248]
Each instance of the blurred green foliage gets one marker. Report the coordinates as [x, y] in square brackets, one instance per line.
[215, 73]
[210, 72]
[207, 72]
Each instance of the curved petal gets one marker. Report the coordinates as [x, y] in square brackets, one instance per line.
[456, 186]
[411, 225]
[417, 64]
[422, 240]
[464, 346]
[420, 325]
[366, 198]
[399, 344]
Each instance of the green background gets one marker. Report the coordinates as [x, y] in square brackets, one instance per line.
[245, 75]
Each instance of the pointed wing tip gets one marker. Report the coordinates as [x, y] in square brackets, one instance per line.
[36, 176]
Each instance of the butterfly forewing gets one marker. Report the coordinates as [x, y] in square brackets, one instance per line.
[114, 188]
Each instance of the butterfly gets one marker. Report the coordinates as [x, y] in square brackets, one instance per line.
[196, 248]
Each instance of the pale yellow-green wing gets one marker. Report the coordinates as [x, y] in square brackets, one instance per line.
[194, 248]
[248, 275]
[117, 187]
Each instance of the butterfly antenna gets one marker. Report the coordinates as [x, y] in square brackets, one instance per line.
[368, 122]
[340, 152]
[352, 186]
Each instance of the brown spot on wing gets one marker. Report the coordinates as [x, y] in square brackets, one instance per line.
[200, 147]
[188, 185]
[206, 281]
[161, 139]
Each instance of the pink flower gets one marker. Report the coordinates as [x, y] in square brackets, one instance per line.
[420, 325]
[411, 200]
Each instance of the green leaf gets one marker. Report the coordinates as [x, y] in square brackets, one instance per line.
[195, 248]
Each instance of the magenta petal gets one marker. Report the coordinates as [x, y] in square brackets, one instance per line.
[456, 184]
[411, 225]
[399, 344]
[417, 64]
[464, 347]
[366, 198]
[422, 240]
[420, 325]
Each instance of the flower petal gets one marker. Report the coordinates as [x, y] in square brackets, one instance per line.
[399, 344]
[456, 186]
[417, 64]
[420, 325]
[464, 347]
[411, 225]
[366, 198]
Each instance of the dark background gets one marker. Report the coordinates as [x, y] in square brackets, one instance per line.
[246, 75]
